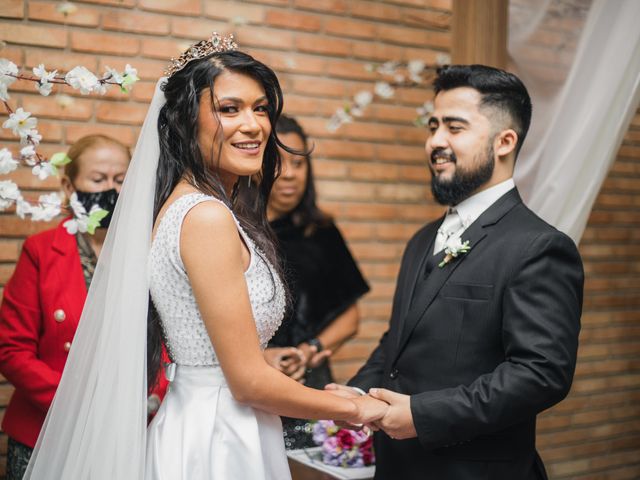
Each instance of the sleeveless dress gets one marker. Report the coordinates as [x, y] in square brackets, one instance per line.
[200, 432]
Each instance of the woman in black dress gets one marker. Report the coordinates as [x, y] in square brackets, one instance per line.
[324, 280]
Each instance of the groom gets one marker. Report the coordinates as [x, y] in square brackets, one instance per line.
[486, 313]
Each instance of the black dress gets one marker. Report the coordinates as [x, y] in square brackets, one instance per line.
[324, 281]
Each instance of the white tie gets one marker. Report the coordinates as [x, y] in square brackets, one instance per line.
[451, 226]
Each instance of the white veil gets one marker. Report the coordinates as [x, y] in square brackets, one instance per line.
[96, 427]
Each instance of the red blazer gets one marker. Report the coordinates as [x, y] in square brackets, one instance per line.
[39, 315]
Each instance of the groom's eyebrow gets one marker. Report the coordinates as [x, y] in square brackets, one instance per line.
[455, 119]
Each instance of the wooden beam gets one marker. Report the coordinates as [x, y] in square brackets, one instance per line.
[479, 30]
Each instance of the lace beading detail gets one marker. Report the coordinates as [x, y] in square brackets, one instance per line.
[187, 339]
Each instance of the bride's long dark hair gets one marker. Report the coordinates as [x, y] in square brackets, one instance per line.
[181, 158]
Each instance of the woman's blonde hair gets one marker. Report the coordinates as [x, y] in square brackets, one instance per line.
[85, 143]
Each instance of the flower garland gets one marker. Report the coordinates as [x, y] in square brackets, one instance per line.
[23, 125]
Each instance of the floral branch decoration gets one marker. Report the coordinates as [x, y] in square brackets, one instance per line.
[23, 125]
[394, 74]
[453, 248]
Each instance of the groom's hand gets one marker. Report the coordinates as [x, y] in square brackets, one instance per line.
[398, 421]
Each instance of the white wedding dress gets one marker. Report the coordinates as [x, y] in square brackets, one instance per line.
[200, 432]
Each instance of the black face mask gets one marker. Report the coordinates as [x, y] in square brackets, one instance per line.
[105, 200]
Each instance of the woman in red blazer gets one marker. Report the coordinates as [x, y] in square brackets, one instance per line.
[44, 298]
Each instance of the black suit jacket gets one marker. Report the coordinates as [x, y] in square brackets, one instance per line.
[482, 345]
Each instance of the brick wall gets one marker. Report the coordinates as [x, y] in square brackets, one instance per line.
[371, 173]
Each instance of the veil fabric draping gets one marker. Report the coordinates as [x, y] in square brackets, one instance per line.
[96, 426]
[576, 133]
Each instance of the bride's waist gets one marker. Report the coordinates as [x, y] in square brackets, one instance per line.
[195, 375]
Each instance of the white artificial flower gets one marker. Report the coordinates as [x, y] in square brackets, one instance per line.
[129, 70]
[416, 66]
[425, 109]
[387, 68]
[76, 206]
[238, 20]
[21, 123]
[28, 151]
[398, 78]
[363, 98]
[7, 163]
[443, 59]
[48, 208]
[64, 100]
[113, 74]
[44, 170]
[7, 69]
[384, 90]
[32, 137]
[82, 79]
[338, 119]
[101, 88]
[23, 208]
[4, 93]
[66, 8]
[71, 225]
[44, 78]
[9, 193]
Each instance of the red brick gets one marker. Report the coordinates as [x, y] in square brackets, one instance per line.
[344, 27]
[349, 69]
[318, 87]
[58, 60]
[379, 52]
[104, 43]
[197, 29]
[292, 62]
[333, 6]
[135, 22]
[422, 38]
[292, 20]
[264, 38]
[115, 3]
[426, 18]
[13, 54]
[12, 226]
[237, 13]
[119, 112]
[12, 9]
[47, 12]
[162, 49]
[126, 135]
[34, 35]
[375, 10]
[324, 45]
[9, 250]
[47, 107]
[177, 7]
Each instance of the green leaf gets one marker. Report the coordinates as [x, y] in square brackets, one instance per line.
[94, 219]
[59, 159]
[128, 81]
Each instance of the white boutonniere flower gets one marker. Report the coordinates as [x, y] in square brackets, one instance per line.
[453, 248]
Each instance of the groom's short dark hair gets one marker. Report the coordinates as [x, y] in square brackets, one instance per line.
[499, 89]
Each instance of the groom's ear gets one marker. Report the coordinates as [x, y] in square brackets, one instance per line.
[505, 142]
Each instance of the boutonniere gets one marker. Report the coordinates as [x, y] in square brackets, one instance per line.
[453, 248]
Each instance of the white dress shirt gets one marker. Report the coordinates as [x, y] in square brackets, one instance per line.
[471, 208]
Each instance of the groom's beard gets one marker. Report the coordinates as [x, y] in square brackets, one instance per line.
[464, 182]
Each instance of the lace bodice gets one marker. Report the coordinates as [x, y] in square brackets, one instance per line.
[186, 336]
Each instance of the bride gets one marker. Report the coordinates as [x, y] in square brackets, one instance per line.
[217, 297]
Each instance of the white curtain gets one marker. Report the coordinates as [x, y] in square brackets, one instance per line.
[578, 122]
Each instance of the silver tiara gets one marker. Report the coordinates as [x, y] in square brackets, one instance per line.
[215, 44]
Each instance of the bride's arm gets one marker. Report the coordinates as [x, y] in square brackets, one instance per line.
[212, 253]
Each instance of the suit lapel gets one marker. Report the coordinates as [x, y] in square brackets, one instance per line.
[475, 234]
[418, 265]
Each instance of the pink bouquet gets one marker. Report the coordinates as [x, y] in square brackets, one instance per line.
[342, 447]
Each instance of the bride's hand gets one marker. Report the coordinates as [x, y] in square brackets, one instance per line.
[369, 409]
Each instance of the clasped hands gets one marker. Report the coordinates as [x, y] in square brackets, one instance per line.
[294, 361]
[381, 409]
